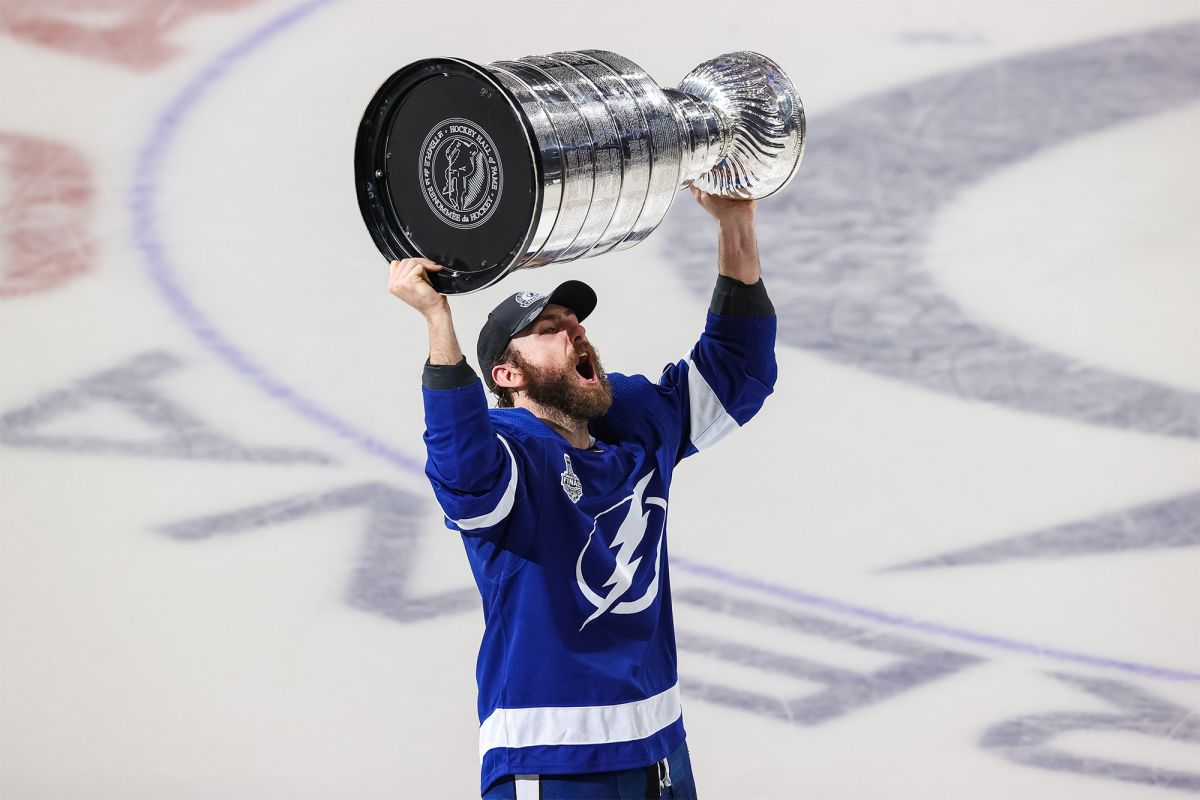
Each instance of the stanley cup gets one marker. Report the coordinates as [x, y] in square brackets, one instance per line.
[552, 158]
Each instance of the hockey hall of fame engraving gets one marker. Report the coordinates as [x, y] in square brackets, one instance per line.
[461, 174]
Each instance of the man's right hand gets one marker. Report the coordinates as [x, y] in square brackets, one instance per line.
[410, 282]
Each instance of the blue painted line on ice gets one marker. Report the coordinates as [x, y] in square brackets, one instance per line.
[142, 205]
[937, 629]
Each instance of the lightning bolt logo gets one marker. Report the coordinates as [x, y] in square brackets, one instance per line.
[629, 536]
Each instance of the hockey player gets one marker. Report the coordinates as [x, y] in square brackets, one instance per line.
[560, 495]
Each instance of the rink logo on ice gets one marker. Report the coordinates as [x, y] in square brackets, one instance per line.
[461, 174]
[623, 568]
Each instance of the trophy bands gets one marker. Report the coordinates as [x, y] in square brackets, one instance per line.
[552, 158]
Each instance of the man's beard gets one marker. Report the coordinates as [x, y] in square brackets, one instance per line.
[560, 389]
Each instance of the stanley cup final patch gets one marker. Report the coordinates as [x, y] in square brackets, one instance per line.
[570, 481]
[461, 173]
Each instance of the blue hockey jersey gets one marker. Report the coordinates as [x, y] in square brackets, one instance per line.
[577, 666]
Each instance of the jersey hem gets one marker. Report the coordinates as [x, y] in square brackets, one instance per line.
[656, 747]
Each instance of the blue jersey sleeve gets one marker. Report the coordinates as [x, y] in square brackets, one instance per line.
[717, 388]
[724, 380]
[472, 468]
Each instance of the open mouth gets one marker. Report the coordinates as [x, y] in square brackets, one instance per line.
[584, 367]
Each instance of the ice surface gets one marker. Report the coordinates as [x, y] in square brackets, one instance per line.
[955, 556]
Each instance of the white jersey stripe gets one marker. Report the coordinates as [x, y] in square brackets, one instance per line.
[529, 787]
[710, 421]
[502, 508]
[625, 722]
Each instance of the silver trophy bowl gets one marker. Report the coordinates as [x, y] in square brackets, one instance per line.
[553, 158]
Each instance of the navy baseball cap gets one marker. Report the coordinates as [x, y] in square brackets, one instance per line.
[521, 309]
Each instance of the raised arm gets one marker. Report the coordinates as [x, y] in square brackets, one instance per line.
[737, 248]
[410, 282]
[473, 470]
[731, 370]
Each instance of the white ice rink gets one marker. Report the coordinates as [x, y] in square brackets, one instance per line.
[956, 556]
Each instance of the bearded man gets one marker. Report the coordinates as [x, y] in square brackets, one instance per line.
[560, 494]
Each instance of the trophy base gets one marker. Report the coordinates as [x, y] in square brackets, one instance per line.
[445, 168]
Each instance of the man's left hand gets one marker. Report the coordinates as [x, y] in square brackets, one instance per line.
[725, 209]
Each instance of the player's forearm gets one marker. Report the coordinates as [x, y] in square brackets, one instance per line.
[737, 248]
[443, 341]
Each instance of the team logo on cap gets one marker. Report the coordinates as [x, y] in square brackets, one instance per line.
[461, 173]
[526, 299]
